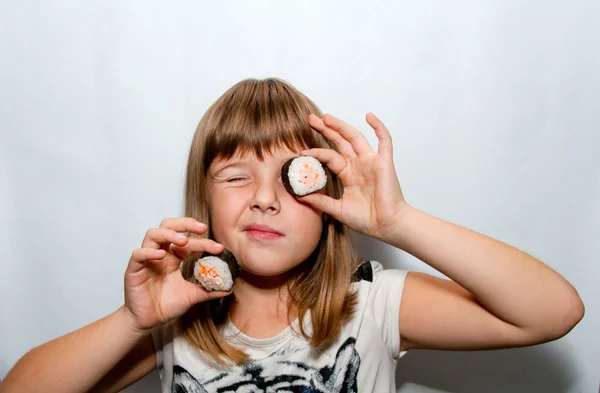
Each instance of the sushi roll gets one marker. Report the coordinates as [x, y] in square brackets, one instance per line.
[303, 175]
[216, 272]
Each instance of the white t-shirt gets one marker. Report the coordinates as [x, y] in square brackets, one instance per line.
[362, 358]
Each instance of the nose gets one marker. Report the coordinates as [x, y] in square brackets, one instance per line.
[266, 197]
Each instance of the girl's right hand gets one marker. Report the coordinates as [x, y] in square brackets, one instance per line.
[155, 290]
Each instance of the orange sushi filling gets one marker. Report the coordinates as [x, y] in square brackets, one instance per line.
[307, 176]
[210, 275]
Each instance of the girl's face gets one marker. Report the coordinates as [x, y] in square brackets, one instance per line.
[267, 229]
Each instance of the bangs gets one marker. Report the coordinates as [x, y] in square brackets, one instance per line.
[258, 117]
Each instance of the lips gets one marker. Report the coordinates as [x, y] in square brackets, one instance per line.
[262, 228]
[262, 232]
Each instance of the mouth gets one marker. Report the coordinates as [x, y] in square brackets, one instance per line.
[263, 232]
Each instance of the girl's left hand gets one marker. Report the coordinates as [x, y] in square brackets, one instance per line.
[372, 200]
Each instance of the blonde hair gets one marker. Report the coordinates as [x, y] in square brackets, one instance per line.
[258, 116]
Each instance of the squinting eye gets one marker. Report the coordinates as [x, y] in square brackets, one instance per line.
[235, 179]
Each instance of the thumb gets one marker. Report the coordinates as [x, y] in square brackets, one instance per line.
[324, 203]
[197, 294]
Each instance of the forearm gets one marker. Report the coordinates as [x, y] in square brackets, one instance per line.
[77, 361]
[509, 283]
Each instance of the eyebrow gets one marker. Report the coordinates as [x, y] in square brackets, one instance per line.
[243, 163]
[236, 164]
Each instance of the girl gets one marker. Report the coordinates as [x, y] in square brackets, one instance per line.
[306, 314]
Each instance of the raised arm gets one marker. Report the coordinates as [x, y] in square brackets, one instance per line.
[117, 350]
[498, 296]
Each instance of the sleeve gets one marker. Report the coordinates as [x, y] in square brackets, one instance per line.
[384, 302]
[163, 338]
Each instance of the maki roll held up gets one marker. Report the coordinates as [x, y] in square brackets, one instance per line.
[303, 175]
[216, 272]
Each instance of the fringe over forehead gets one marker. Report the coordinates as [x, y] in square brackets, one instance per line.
[258, 116]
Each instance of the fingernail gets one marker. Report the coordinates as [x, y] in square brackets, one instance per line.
[182, 235]
[200, 225]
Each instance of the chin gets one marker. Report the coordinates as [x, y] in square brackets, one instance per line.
[262, 271]
[266, 267]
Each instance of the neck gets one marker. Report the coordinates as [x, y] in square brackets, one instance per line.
[261, 303]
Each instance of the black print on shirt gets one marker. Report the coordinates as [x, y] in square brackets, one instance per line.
[291, 376]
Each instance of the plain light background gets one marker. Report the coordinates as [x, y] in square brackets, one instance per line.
[493, 106]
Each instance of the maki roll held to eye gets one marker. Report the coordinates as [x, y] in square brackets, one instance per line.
[216, 272]
[303, 175]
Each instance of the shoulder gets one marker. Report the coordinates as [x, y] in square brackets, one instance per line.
[380, 294]
[372, 276]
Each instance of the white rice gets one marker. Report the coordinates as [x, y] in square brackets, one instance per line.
[300, 174]
[213, 273]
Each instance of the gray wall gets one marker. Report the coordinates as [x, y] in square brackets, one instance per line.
[493, 105]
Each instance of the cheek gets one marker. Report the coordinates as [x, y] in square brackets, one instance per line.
[227, 205]
[310, 222]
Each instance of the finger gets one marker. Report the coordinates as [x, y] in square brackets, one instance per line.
[343, 145]
[159, 237]
[196, 245]
[331, 158]
[324, 203]
[184, 224]
[351, 134]
[385, 138]
[142, 256]
[217, 294]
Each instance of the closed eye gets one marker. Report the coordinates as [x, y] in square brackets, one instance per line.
[235, 179]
